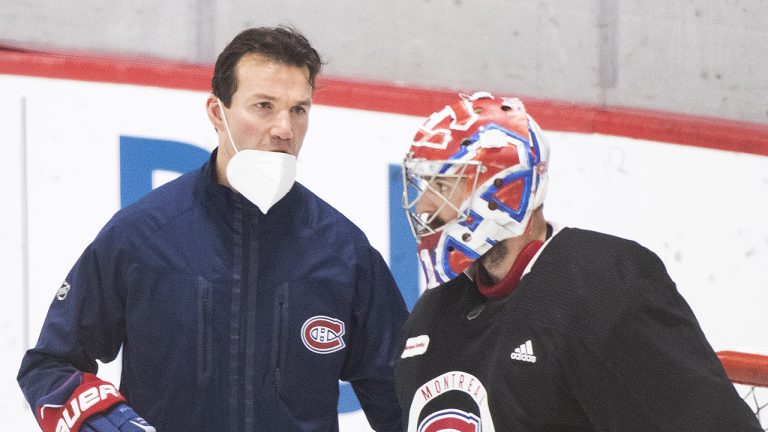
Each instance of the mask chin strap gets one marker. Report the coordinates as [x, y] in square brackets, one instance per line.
[226, 126]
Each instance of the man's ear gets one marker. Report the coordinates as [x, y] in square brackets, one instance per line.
[214, 112]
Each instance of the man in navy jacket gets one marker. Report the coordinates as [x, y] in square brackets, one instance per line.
[239, 297]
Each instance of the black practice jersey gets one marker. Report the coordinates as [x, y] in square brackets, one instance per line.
[594, 338]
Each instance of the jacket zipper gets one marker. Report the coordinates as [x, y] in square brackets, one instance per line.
[204, 341]
[278, 340]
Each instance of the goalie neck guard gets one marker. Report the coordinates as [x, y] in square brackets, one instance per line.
[475, 172]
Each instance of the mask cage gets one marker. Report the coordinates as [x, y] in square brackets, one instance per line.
[442, 181]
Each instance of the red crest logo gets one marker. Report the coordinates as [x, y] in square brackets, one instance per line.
[450, 420]
[322, 334]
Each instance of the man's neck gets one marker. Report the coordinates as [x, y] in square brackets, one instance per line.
[220, 168]
[498, 261]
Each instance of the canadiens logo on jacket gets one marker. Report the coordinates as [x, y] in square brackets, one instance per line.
[322, 334]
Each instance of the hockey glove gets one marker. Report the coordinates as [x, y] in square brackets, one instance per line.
[120, 418]
[82, 396]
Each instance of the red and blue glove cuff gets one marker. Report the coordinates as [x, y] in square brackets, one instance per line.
[80, 397]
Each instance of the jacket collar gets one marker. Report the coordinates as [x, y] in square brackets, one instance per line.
[223, 200]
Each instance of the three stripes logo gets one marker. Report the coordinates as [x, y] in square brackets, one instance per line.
[524, 353]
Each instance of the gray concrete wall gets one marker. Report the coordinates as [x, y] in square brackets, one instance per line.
[702, 57]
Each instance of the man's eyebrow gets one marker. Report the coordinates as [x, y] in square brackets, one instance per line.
[262, 96]
[271, 98]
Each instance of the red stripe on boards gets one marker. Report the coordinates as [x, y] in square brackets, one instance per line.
[666, 127]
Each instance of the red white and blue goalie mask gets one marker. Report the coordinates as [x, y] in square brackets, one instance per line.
[475, 173]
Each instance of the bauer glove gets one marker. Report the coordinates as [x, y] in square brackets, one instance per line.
[85, 403]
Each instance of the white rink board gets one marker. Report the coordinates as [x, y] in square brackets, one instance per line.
[702, 211]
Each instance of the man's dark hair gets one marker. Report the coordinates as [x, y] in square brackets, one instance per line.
[281, 44]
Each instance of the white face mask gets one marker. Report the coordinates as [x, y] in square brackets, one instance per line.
[263, 177]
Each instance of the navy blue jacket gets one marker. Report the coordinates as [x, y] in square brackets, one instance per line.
[229, 319]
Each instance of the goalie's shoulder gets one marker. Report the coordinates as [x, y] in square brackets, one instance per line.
[589, 248]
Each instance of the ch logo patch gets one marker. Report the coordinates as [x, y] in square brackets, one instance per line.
[322, 334]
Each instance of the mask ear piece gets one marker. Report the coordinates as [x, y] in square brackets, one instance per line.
[221, 109]
[226, 125]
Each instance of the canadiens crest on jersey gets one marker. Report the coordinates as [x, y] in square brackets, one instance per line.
[447, 389]
[451, 420]
[322, 334]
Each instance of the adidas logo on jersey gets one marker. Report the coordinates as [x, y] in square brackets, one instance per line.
[524, 352]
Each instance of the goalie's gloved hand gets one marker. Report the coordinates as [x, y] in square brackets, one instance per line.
[120, 418]
[85, 403]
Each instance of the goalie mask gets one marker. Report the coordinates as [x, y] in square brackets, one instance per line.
[474, 174]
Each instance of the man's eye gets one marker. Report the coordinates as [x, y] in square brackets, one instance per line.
[442, 188]
[264, 105]
[299, 110]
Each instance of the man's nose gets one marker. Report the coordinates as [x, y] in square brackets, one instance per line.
[428, 203]
[282, 127]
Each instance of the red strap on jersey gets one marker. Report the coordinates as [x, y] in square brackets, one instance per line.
[91, 397]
